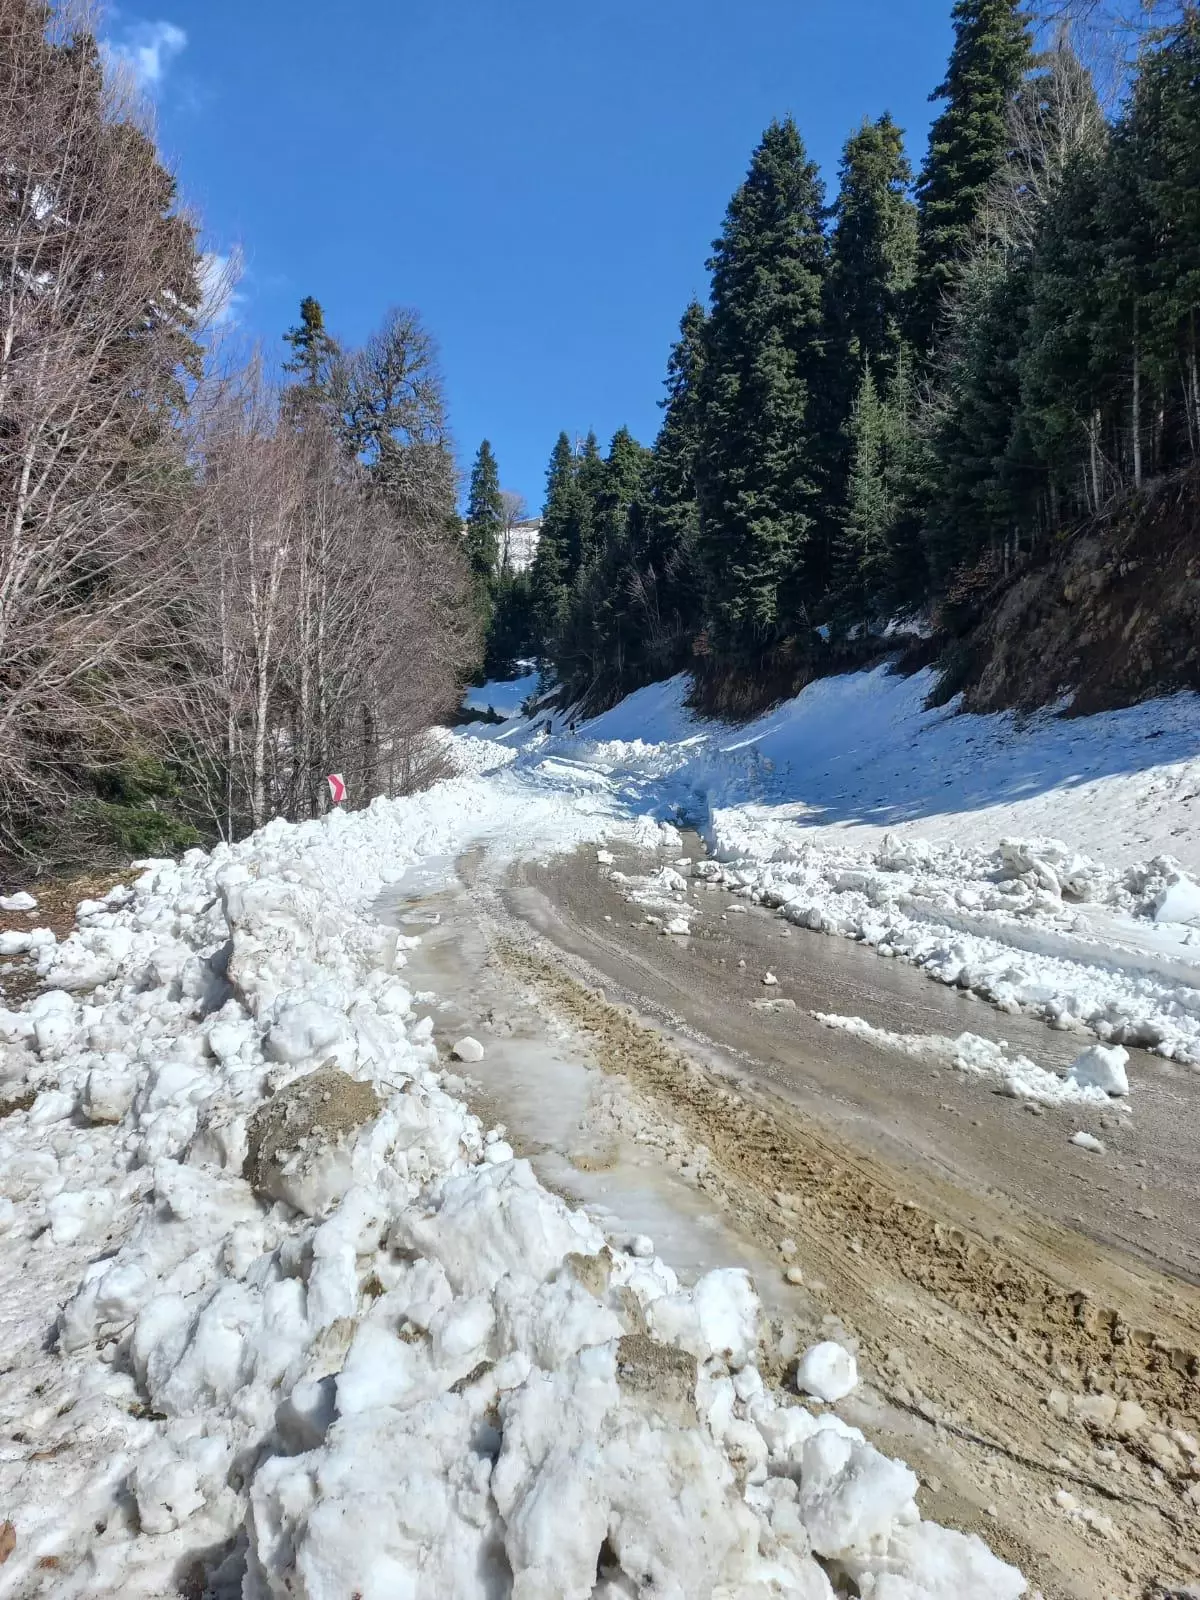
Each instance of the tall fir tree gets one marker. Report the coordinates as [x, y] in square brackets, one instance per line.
[973, 517]
[872, 267]
[860, 553]
[597, 639]
[1149, 265]
[1172, 191]
[584, 537]
[1062, 395]
[759, 463]
[873, 250]
[313, 347]
[665, 580]
[968, 145]
[485, 522]
[671, 513]
[550, 576]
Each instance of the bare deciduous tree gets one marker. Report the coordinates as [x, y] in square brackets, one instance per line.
[98, 286]
[263, 591]
[514, 510]
[324, 629]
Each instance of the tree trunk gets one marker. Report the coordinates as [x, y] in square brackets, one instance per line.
[1094, 456]
[1137, 402]
[370, 763]
[230, 714]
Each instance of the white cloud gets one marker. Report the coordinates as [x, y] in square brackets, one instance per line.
[219, 278]
[146, 50]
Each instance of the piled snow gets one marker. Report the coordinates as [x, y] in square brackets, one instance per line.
[420, 1375]
[1090, 1080]
[1098, 1068]
[1178, 900]
[827, 1371]
[1047, 865]
[21, 901]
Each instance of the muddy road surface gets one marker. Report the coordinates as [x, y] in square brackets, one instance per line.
[1026, 1313]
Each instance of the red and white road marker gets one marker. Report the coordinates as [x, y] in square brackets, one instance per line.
[337, 787]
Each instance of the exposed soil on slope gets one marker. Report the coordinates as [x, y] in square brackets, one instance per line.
[1112, 618]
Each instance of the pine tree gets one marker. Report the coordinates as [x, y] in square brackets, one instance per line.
[485, 520]
[980, 448]
[873, 250]
[313, 349]
[620, 488]
[1145, 340]
[861, 564]
[550, 577]
[666, 588]
[872, 265]
[1062, 394]
[968, 145]
[876, 565]
[595, 645]
[584, 537]
[1172, 190]
[672, 515]
[759, 463]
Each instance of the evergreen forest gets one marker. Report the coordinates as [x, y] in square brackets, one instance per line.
[902, 389]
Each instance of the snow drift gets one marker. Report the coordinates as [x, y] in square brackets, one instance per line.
[321, 1335]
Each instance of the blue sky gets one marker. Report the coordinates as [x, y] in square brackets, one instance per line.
[543, 181]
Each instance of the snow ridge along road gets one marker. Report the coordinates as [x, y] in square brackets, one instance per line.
[1047, 865]
[282, 1319]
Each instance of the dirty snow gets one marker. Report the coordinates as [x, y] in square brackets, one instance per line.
[418, 1374]
[1091, 1079]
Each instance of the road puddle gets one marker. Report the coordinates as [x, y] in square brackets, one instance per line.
[556, 1104]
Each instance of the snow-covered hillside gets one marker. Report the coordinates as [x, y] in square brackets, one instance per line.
[1047, 864]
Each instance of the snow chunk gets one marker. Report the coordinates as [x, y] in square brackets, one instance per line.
[167, 1491]
[80, 1214]
[1088, 1141]
[1179, 901]
[828, 1371]
[925, 1562]
[467, 1049]
[496, 1220]
[1102, 1067]
[21, 901]
[718, 1317]
[850, 1493]
[108, 1095]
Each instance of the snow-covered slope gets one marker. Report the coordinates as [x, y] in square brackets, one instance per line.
[359, 1350]
[504, 696]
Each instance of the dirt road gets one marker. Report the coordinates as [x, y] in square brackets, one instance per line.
[1027, 1313]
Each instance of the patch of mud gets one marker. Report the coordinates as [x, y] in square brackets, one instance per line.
[1011, 1446]
[552, 1100]
[300, 1126]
